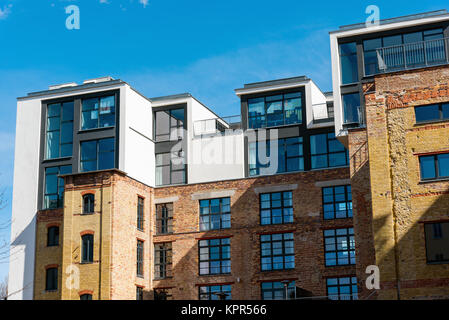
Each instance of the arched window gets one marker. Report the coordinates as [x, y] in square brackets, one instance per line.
[87, 248]
[53, 237]
[88, 203]
[86, 297]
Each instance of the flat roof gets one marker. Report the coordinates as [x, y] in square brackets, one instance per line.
[411, 17]
[275, 82]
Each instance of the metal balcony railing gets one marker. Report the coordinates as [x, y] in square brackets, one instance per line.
[216, 125]
[413, 55]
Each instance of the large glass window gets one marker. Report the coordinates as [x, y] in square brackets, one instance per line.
[434, 166]
[59, 133]
[140, 213]
[437, 242]
[290, 156]
[169, 125]
[170, 168]
[53, 236]
[215, 256]
[218, 292]
[337, 202]
[348, 61]
[140, 255]
[51, 279]
[215, 214]
[164, 218]
[98, 113]
[163, 260]
[97, 155]
[276, 208]
[276, 290]
[339, 247]
[327, 152]
[275, 110]
[277, 251]
[351, 108]
[434, 112]
[404, 51]
[87, 248]
[54, 187]
[344, 288]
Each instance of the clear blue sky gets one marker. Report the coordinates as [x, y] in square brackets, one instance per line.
[207, 48]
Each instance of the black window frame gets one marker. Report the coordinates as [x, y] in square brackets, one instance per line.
[51, 279]
[179, 127]
[291, 290]
[352, 285]
[87, 249]
[164, 218]
[350, 246]
[97, 154]
[53, 236]
[282, 207]
[223, 243]
[436, 166]
[140, 213]
[352, 54]
[437, 234]
[334, 203]
[272, 257]
[330, 136]
[140, 258]
[88, 204]
[163, 260]
[61, 122]
[173, 155]
[211, 294]
[222, 215]
[86, 296]
[59, 187]
[114, 113]
[440, 113]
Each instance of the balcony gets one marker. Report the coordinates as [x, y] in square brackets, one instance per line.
[216, 125]
[413, 55]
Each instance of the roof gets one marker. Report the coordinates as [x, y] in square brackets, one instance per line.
[275, 82]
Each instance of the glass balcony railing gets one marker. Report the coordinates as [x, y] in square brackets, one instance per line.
[413, 55]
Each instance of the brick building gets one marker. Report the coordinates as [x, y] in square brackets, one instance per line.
[160, 198]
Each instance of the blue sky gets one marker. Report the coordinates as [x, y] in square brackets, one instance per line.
[161, 47]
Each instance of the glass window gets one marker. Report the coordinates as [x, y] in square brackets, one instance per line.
[54, 187]
[434, 166]
[432, 112]
[53, 237]
[437, 242]
[277, 251]
[344, 288]
[87, 247]
[276, 208]
[164, 218]
[348, 60]
[139, 258]
[170, 168]
[215, 256]
[51, 279]
[139, 293]
[337, 202]
[88, 204]
[86, 297]
[98, 113]
[339, 247]
[163, 259]
[169, 125]
[215, 214]
[351, 108]
[97, 155]
[140, 213]
[290, 156]
[327, 152]
[217, 292]
[275, 110]
[277, 290]
[59, 133]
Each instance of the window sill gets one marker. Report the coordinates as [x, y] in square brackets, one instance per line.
[160, 279]
[95, 129]
[423, 123]
[434, 180]
[51, 291]
[215, 275]
[140, 276]
[164, 234]
[86, 263]
[53, 246]
[340, 265]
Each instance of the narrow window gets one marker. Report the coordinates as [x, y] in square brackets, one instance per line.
[215, 256]
[163, 259]
[54, 187]
[87, 255]
[88, 204]
[53, 237]
[139, 258]
[139, 293]
[51, 279]
[86, 297]
[344, 288]
[348, 63]
[215, 214]
[59, 133]
[164, 218]
[339, 247]
[351, 108]
[437, 242]
[215, 292]
[140, 207]
[277, 251]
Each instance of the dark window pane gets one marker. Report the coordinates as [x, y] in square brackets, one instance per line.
[437, 242]
[351, 108]
[427, 113]
[427, 167]
[443, 165]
